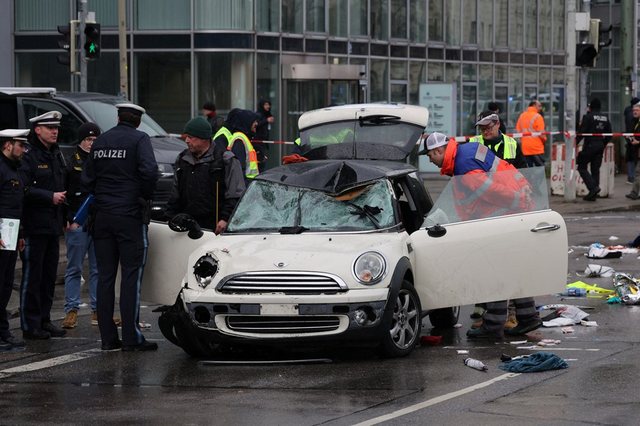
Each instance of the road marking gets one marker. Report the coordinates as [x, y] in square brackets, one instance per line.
[39, 365]
[434, 401]
[555, 348]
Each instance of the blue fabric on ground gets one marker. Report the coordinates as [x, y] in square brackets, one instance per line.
[539, 361]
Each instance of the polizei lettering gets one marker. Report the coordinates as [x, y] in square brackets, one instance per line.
[109, 153]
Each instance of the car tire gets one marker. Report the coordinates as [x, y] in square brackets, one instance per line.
[444, 317]
[402, 323]
[176, 327]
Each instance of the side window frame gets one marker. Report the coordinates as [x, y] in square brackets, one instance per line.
[68, 134]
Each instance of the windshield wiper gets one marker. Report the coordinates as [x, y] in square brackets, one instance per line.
[297, 229]
[378, 119]
[367, 211]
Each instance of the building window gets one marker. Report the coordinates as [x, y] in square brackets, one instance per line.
[501, 16]
[469, 26]
[358, 17]
[163, 14]
[223, 15]
[268, 15]
[544, 25]
[531, 24]
[36, 15]
[338, 18]
[558, 25]
[417, 76]
[417, 18]
[315, 16]
[292, 16]
[436, 18]
[29, 66]
[485, 23]
[379, 76]
[516, 18]
[379, 19]
[106, 11]
[164, 87]
[453, 23]
[399, 19]
[226, 79]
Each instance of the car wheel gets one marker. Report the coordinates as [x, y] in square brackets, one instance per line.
[176, 327]
[403, 323]
[444, 317]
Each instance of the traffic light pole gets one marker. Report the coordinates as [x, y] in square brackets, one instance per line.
[570, 101]
[83, 59]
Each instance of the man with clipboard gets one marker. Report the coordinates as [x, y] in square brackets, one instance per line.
[14, 145]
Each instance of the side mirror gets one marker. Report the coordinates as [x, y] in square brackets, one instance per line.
[436, 231]
[185, 223]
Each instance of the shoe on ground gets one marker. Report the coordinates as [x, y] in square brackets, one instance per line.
[592, 195]
[36, 335]
[13, 341]
[477, 323]
[483, 333]
[632, 196]
[70, 319]
[630, 182]
[511, 320]
[4, 346]
[112, 346]
[478, 312]
[524, 328]
[142, 347]
[53, 330]
[94, 318]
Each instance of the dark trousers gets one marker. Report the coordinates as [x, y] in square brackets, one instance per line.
[7, 268]
[120, 240]
[591, 155]
[39, 269]
[496, 314]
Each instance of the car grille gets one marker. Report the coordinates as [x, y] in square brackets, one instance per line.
[283, 282]
[282, 325]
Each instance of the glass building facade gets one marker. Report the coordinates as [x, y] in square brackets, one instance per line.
[305, 54]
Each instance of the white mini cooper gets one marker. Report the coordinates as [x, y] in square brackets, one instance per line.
[349, 247]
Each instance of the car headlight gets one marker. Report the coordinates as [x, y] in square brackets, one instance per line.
[165, 170]
[369, 267]
[205, 269]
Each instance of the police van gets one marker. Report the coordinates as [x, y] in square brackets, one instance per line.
[18, 104]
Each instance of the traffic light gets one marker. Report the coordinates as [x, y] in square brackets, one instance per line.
[92, 40]
[586, 55]
[64, 42]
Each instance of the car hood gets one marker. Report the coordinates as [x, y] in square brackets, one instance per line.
[333, 177]
[167, 148]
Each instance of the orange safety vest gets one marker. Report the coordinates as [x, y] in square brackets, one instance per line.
[531, 121]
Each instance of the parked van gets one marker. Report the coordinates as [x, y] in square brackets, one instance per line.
[18, 104]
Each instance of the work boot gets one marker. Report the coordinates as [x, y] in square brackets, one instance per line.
[13, 341]
[4, 346]
[53, 330]
[592, 195]
[524, 328]
[511, 318]
[478, 312]
[71, 319]
[483, 333]
[36, 335]
[632, 196]
[142, 347]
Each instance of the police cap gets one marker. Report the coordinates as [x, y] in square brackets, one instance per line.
[51, 118]
[132, 108]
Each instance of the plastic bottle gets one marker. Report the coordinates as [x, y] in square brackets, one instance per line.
[474, 363]
[575, 292]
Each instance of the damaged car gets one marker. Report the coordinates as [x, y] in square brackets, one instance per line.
[348, 247]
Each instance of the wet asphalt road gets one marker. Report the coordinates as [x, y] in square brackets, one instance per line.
[70, 381]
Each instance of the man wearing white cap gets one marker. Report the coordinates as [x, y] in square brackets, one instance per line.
[121, 172]
[479, 195]
[43, 223]
[13, 143]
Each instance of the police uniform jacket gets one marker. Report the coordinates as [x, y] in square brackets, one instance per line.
[43, 171]
[11, 188]
[594, 122]
[207, 188]
[76, 191]
[121, 171]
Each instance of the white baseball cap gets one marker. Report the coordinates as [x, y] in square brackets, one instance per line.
[435, 140]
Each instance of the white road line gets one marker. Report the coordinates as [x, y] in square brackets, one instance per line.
[436, 400]
[39, 365]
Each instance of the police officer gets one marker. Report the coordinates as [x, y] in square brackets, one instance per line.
[121, 171]
[205, 187]
[592, 148]
[13, 143]
[43, 169]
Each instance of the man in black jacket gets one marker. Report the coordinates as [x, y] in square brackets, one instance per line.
[44, 172]
[13, 143]
[206, 186]
[592, 148]
[79, 242]
[121, 172]
[263, 128]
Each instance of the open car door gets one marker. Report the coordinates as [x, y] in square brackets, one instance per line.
[166, 265]
[476, 247]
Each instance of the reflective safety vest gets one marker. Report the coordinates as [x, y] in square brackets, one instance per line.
[251, 157]
[510, 145]
[224, 131]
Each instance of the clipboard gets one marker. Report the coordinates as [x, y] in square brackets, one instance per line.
[9, 229]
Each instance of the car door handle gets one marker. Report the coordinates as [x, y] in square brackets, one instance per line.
[545, 228]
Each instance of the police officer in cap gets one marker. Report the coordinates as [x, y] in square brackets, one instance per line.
[13, 143]
[43, 168]
[121, 171]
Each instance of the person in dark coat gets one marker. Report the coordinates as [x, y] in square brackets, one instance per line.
[632, 125]
[121, 172]
[592, 148]
[265, 120]
[13, 143]
[43, 169]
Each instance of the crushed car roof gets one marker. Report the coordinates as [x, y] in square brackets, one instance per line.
[334, 176]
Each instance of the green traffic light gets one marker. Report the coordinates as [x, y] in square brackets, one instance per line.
[92, 48]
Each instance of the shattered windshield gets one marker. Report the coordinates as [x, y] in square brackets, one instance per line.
[483, 195]
[273, 207]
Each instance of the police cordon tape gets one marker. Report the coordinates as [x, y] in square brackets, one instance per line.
[567, 134]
